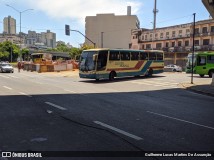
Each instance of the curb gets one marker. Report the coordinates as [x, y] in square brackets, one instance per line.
[197, 90]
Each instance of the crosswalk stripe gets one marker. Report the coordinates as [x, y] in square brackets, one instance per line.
[13, 76]
[157, 84]
[4, 76]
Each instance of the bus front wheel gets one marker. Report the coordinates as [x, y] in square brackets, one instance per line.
[211, 72]
[112, 75]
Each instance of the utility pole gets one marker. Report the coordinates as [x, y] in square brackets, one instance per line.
[102, 39]
[20, 15]
[155, 11]
[193, 47]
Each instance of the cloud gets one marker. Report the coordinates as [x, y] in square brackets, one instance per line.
[79, 9]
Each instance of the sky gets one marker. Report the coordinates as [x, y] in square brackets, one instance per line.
[54, 14]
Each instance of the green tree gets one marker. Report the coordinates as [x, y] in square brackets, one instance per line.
[8, 49]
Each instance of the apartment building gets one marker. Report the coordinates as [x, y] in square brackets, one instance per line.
[176, 40]
[110, 30]
[9, 25]
[49, 39]
[12, 38]
[209, 4]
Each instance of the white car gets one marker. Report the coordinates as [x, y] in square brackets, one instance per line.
[6, 67]
[172, 68]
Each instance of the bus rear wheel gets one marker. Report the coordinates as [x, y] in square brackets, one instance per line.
[211, 72]
[112, 75]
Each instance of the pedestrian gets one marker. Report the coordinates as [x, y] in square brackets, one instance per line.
[19, 65]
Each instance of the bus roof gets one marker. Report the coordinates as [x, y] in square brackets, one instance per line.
[203, 53]
[117, 49]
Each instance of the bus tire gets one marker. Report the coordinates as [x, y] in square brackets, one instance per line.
[201, 75]
[211, 72]
[112, 75]
[150, 72]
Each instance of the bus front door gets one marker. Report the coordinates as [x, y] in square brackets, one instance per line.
[201, 68]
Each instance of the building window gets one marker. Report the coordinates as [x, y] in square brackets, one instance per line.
[204, 30]
[180, 32]
[173, 33]
[167, 34]
[151, 35]
[187, 31]
[167, 44]
[173, 44]
[197, 31]
[161, 35]
[148, 46]
[212, 28]
[196, 42]
[142, 37]
[206, 42]
[156, 35]
[159, 45]
[145, 37]
[186, 43]
[179, 43]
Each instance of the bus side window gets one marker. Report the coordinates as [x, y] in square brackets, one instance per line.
[144, 56]
[159, 55]
[201, 60]
[125, 55]
[114, 56]
[210, 59]
[152, 56]
[134, 55]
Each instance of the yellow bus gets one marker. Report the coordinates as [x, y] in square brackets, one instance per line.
[110, 63]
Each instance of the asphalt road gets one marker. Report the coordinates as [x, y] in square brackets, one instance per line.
[49, 112]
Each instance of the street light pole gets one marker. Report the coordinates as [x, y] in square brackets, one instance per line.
[20, 15]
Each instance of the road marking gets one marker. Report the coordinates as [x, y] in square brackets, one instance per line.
[7, 87]
[69, 91]
[13, 76]
[119, 130]
[25, 94]
[56, 106]
[162, 115]
[156, 84]
[4, 76]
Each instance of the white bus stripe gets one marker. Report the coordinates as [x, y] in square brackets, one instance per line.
[119, 130]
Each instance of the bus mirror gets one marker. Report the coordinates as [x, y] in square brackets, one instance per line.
[94, 57]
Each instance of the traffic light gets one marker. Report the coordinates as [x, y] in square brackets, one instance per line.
[67, 30]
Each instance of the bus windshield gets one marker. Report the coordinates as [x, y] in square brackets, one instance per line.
[189, 60]
[86, 61]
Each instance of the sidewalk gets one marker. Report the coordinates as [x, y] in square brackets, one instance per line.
[202, 88]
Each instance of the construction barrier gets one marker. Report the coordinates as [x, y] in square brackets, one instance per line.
[60, 67]
[43, 68]
[50, 68]
[69, 66]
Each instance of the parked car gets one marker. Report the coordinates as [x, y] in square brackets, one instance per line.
[6, 67]
[172, 68]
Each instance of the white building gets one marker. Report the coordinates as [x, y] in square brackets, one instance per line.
[109, 30]
[9, 25]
